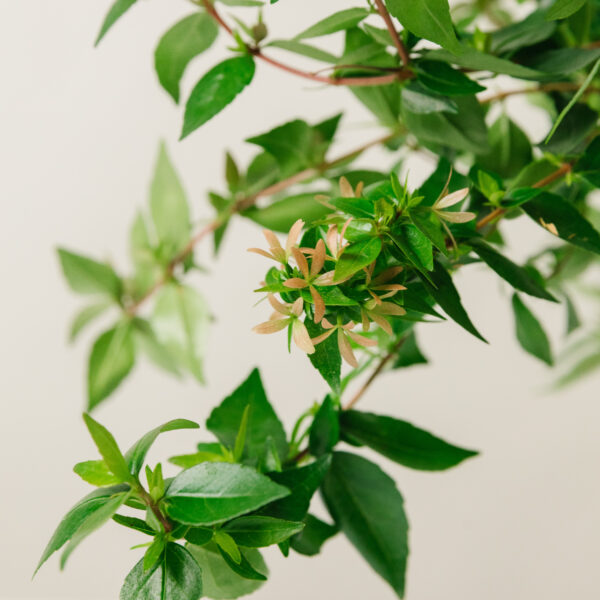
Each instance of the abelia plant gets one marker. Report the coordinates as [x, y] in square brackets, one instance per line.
[369, 260]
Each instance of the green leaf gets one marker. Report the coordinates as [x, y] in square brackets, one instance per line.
[527, 32]
[339, 21]
[84, 317]
[517, 276]
[227, 544]
[184, 41]
[447, 297]
[263, 424]
[75, 518]
[355, 257]
[258, 532]
[510, 148]
[216, 90]
[96, 472]
[368, 508]
[402, 442]
[415, 245]
[108, 448]
[240, 438]
[418, 99]
[87, 276]
[213, 492]
[560, 217]
[168, 205]
[311, 539]
[180, 320]
[530, 333]
[93, 522]
[326, 357]
[429, 225]
[562, 9]
[154, 552]
[563, 60]
[111, 360]
[282, 214]
[429, 19]
[441, 78]
[325, 429]
[175, 576]
[243, 568]
[199, 535]
[304, 50]
[302, 482]
[136, 455]
[219, 581]
[147, 342]
[134, 523]
[117, 10]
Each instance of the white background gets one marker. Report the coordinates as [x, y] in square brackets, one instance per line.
[79, 129]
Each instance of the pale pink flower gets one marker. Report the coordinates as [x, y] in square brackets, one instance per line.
[276, 251]
[344, 335]
[284, 316]
[449, 200]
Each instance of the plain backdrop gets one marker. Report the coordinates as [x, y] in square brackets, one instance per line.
[79, 131]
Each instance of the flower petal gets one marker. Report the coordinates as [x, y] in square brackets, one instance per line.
[319, 304]
[301, 337]
[322, 337]
[301, 262]
[359, 189]
[389, 308]
[452, 199]
[293, 235]
[271, 239]
[271, 326]
[361, 339]
[457, 217]
[280, 307]
[331, 239]
[295, 283]
[318, 259]
[326, 279]
[382, 322]
[345, 188]
[346, 350]
[326, 324]
[387, 275]
[261, 252]
[297, 307]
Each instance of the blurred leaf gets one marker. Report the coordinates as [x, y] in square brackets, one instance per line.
[86, 316]
[562, 9]
[441, 78]
[344, 19]
[87, 276]
[117, 10]
[531, 335]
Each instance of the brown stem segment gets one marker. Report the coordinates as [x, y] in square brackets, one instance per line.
[385, 15]
[147, 500]
[498, 212]
[554, 86]
[378, 370]
[398, 75]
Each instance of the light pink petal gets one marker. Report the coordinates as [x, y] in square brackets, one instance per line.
[387, 275]
[331, 239]
[301, 337]
[389, 308]
[271, 326]
[382, 322]
[301, 262]
[261, 252]
[452, 199]
[297, 307]
[349, 325]
[457, 217]
[343, 233]
[326, 324]
[293, 235]
[346, 350]
[326, 279]
[322, 337]
[319, 304]
[318, 259]
[366, 324]
[361, 339]
[345, 188]
[359, 189]
[281, 308]
[271, 239]
[396, 287]
[295, 283]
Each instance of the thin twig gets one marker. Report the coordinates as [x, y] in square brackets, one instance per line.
[399, 75]
[558, 86]
[498, 212]
[378, 369]
[385, 15]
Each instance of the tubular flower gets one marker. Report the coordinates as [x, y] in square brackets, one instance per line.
[310, 276]
[344, 335]
[287, 315]
[276, 251]
[449, 200]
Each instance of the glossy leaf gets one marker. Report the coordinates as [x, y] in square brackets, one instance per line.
[213, 492]
[429, 19]
[402, 442]
[175, 576]
[315, 533]
[326, 357]
[355, 257]
[216, 90]
[184, 41]
[259, 531]
[530, 333]
[136, 455]
[96, 472]
[441, 78]
[325, 429]
[369, 509]
[517, 276]
[108, 448]
[263, 424]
